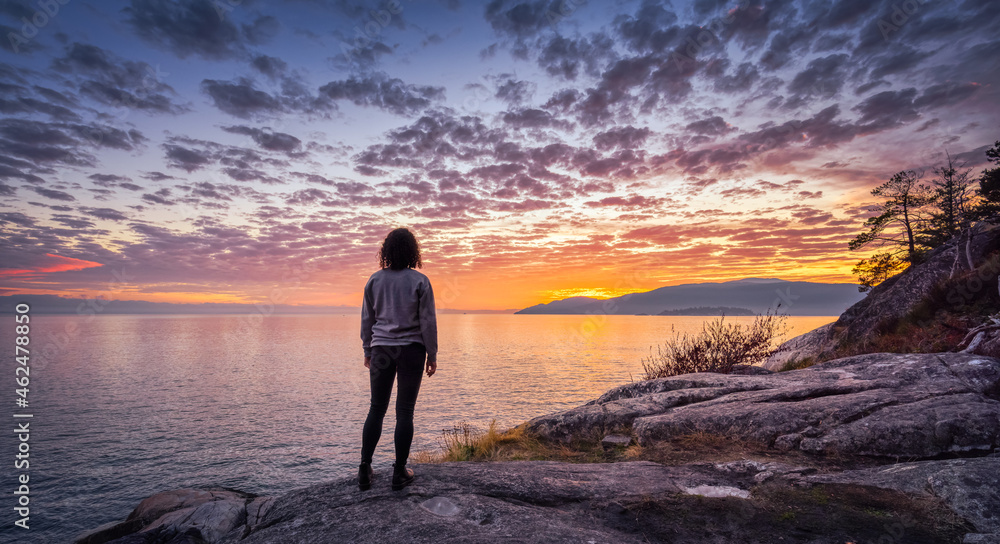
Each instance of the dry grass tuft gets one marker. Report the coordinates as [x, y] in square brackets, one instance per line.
[465, 442]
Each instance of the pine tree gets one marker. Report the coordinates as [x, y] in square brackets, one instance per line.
[896, 229]
[952, 197]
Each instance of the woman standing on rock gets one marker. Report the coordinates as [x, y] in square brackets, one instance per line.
[398, 330]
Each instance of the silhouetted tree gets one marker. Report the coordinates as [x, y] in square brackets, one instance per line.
[988, 208]
[877, 268]
[896, 229]
[952, 198]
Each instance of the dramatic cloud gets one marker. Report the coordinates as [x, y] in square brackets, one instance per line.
[240, 98]
[212, 147]
[193, 27]
[521, 19]
[268, 139]
[381, 91]
[117, 82]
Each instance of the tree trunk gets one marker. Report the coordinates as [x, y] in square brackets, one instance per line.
[958, 257]
[968, 250]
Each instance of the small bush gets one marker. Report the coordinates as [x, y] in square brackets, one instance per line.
[718, 347]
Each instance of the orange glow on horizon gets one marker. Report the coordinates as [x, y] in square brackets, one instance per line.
[591, 292]
[187, 298]
[479, 288]
[61, 264]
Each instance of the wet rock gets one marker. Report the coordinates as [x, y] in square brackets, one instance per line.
[209, 521]
[160, 505]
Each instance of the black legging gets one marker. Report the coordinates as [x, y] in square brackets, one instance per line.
[387, 362]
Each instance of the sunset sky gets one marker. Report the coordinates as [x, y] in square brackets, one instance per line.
[218, 151]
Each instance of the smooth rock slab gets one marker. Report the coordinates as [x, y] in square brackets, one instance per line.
[717, 491]
[209, 521]
[981, 538]
[526, 501]
[884, 405]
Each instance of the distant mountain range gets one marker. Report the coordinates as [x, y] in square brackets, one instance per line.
[755, 294]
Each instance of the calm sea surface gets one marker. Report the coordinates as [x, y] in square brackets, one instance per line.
[127, 406]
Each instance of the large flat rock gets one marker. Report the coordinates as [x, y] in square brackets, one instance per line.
[914, 406]
[631, 502]
[529, 501]
[535, 501]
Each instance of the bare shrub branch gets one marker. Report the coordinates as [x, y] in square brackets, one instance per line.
[718, 347]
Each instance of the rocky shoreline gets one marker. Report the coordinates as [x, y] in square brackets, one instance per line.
[916, 439]
[540, 501]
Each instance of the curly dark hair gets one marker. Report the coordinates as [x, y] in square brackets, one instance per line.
[399, 251]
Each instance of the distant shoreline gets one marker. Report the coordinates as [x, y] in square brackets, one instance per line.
[709, 311]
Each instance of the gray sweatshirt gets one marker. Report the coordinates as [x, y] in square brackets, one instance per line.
[398, 309]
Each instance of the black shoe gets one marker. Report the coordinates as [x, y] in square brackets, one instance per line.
[401, 477]
[365, 476]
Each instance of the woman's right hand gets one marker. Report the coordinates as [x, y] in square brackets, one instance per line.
[432, 367]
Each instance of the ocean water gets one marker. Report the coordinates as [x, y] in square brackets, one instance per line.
[125, 406]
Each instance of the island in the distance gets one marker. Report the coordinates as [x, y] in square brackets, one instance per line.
[708, 310]
[755, 294]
